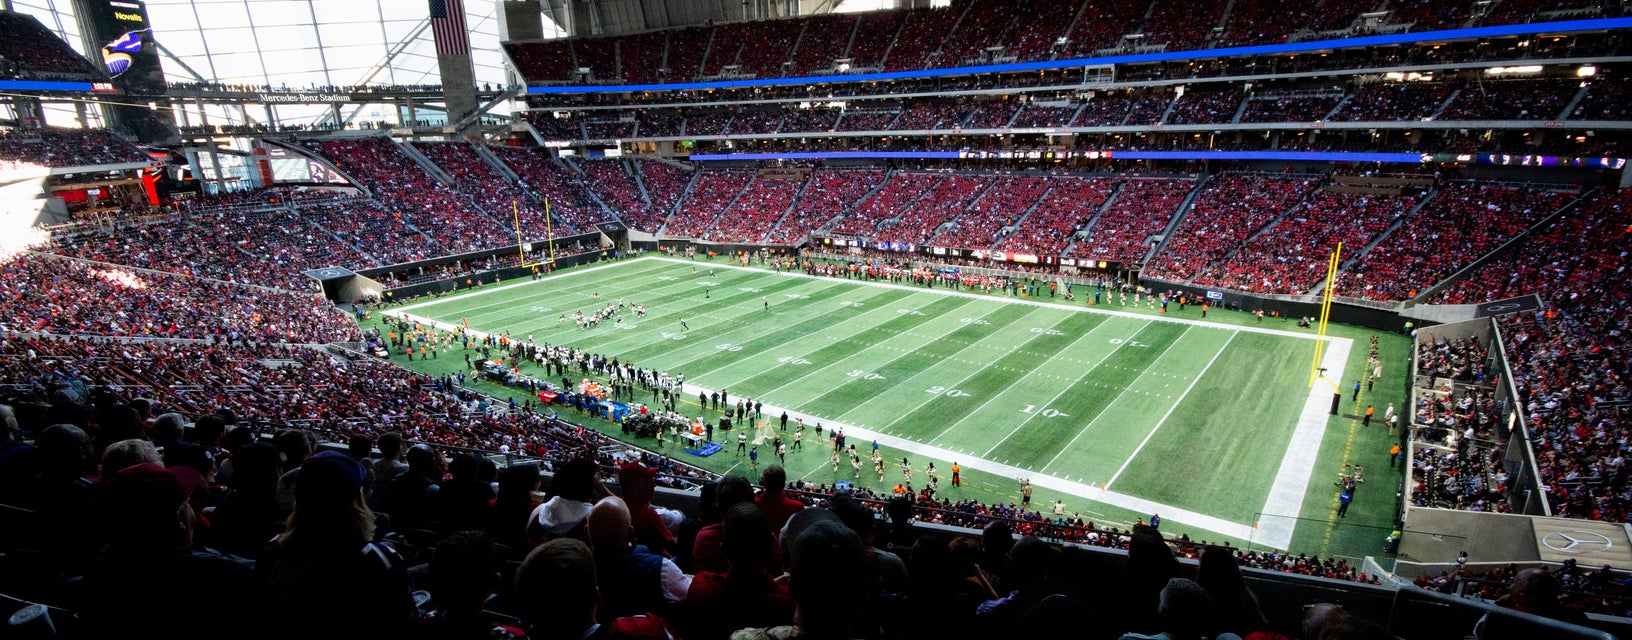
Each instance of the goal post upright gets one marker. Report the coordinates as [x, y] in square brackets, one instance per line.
[1327, 292]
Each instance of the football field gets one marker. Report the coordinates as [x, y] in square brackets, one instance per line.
[1212, 425]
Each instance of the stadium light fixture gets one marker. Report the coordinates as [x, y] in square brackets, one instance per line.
[1496, 71]
[1586, 71]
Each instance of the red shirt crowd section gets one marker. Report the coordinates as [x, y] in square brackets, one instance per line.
[1069, 204]
[574, 209]
[1463, 220]
[899, 192]
[1000, 207]
[308, 390]
[827, 194]
[714, 191]
[50, 294]
[65, 148]
[264, 246]
[939, 206]
[1229, 210]
[665, 185]
[403, 188]
[762, 205]
[976, 32]
[1291, 256]
[1141, 209]
[490, 190]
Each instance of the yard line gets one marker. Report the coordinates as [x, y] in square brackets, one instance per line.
[948, 291]
[829, 343]
[903, 414]
[1078, 489]
[507, 287]
[523, 298]
[1170, 410]
[1286, 493]
[1124, 391]
[905, 352]
[656, 312]
[1012, 384]
[1107, 408]
[775, 327]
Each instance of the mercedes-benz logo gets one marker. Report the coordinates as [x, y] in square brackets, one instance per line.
[1576, 542]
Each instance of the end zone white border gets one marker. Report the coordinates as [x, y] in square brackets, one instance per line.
[1277, 520]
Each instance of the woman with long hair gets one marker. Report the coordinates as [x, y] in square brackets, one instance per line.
[325, 571]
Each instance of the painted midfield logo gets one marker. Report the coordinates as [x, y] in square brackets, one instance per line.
[1576, 542]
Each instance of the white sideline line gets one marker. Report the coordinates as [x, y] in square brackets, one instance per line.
[1286, 494]
[902, 415]
[831, 341]
[1170, 410]
[1078, 489]
[507, 287]
[1078, 381]
[1034, 337]
[947, 291]
[1166, 350]
[1285, 501]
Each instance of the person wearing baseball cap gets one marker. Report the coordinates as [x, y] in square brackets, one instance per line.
[325, 571]
[637, 483]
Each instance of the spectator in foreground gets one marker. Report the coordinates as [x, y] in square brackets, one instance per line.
[778, 507]
[1184, 611]
[150, 561]
[557, 588]
[633, 580]
[639, 483]
[708, 552]
[1145, 575]
[248, 515]
[326, 571]
[507, 519]
[463, 500]
[464, 571]
[1237, 606]
[827, 575]
[1534, 591]
[746, 595]
[571, 493]
[127, 453]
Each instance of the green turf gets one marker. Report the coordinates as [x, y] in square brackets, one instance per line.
[1194, 416]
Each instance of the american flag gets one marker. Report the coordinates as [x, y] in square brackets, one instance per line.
[448, 27]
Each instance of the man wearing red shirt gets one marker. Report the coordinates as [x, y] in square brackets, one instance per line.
[776, 506]
[637, 483]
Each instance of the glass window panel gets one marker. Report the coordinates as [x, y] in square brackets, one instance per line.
[182, 42]
[285, 39]
[237, 65]
[280, 12]
[303, 78]
[287, 62]
[363, 55]
[229, 40]
[165, 17]
[396, 30]
[215, 16]
[356, 33]
[333, 11]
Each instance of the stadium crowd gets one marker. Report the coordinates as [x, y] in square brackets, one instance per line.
[51, 294]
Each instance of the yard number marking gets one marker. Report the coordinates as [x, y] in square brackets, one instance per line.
[1046, 413]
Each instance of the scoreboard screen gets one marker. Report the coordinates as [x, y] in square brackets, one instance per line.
[127, 52]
